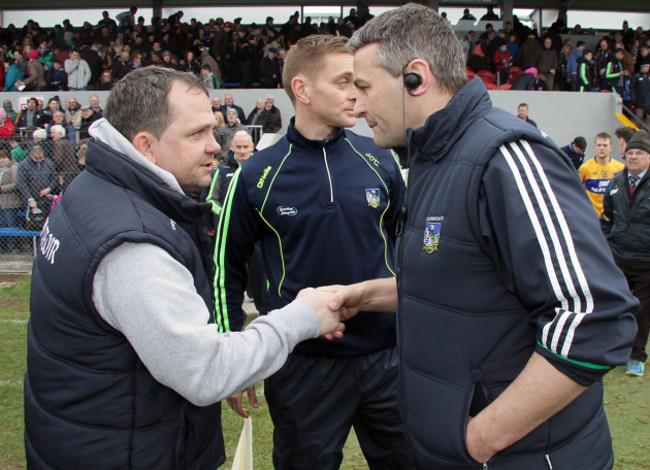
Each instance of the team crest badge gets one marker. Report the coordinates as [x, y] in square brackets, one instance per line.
[432, 234]
[372, 196]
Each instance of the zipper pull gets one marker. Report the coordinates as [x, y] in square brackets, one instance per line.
[548, 460]
[485, 467]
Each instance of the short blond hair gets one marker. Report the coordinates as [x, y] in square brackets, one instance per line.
[306, 57]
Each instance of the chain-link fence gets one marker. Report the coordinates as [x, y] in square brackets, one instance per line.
[35, 170]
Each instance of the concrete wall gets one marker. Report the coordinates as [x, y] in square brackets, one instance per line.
[561, 115]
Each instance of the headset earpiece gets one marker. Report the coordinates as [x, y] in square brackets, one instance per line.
[412, 80]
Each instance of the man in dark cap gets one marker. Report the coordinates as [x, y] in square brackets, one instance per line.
[626, 225]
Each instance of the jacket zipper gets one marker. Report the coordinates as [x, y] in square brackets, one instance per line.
[329, 176]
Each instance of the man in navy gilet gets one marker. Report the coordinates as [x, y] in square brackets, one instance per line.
[125, 367]
[510, 307]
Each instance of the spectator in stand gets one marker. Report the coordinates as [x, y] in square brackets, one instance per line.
[22, 63]
[13, 75]
[53, 104]
[270, 70]
[58, 119]
[576, 151]
[8, 106]
[87, 118]
[467, 16]
[220, 120]
[7, 127]
[528, 52]
[95, 63]
[615, 73]
[490, 15]
[191, 64]
[35, 80]
[547, 63]
[211, 81]
[255, 115]
[513, 45]
[126, 19]
[59, 80]
[93, 101]
[206, 59]
[29, 116]
[37, 178]
[136, 61]
[596, 173]
[225, 133]
[122, 65]
[63, 157]
[106, 82]
[229, 103]
[216, 104]
[16, 144]
[640, 93]
[643, 56]
[584, 79]
[628, 58]
[626, 226]
[9, 199]
[78, 71]
[522, 113]
[572, 65]
[273, 118]
[166, 62]
[502, 60]
[467, 43]
[73, 112]
[246, 59]
[107, 22]
[604, 55]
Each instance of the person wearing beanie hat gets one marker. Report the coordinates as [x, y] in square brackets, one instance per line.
[639, 141]
[640, 92]
[6, 126]
[36, 73]
[626, 225]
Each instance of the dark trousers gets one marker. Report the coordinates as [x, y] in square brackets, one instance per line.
[639, 282]
[315, 400]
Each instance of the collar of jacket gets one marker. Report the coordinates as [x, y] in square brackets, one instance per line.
[446, 126]
[232, 160]
[298, 139]
[121, 170]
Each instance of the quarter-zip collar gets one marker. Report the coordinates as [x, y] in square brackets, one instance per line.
[296, 138]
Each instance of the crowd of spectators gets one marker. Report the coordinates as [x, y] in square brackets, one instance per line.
[94, 57]
[45, 145]
[517, 55]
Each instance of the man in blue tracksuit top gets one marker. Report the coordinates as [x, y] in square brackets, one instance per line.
[324, 203]
[510, 307]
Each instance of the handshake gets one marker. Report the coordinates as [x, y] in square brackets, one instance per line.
[333, 305]
[336, 303]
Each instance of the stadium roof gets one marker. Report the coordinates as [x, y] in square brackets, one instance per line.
[609, 5]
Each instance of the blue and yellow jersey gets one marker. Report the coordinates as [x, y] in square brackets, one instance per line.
[596, 177]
